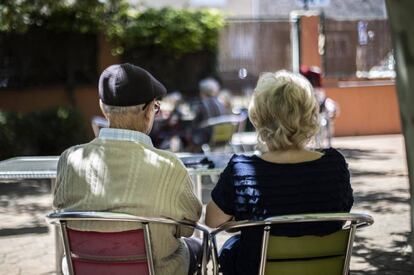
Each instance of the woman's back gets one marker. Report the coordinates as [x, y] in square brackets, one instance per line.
[287, 179]
[252, 188]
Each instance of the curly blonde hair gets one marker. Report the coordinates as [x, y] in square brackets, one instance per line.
[284, 110]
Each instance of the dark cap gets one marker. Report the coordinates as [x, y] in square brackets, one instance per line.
[313, 74]
[128, 85]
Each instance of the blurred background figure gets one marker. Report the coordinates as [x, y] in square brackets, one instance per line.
[169, 132]
[328, 108]
[226, 99]
[209, 106]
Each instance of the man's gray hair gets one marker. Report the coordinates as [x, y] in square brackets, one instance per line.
[209, 86]
[108, 109]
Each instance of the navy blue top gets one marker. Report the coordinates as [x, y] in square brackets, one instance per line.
[251, 188]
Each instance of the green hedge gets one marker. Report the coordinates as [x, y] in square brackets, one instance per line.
[176, 31]
[173, 31]
[47, 132]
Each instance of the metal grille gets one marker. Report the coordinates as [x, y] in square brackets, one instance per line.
[358, 48]
[248, 47]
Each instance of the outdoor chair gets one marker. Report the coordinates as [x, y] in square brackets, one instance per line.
[121, 253]
[221, 130]
[98, 122]
[305, 255]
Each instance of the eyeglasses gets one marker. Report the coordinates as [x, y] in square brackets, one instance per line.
[157, 106]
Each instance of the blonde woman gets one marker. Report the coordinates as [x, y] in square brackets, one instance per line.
[286, 178]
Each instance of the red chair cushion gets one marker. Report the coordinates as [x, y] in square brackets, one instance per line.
[91, 249]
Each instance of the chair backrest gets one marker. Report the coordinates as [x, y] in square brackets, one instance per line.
[221, 129]
[305, 255]
[221, 133]
[121, 253]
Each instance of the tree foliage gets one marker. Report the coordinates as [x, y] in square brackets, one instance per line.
[175, 31]
[84, 16]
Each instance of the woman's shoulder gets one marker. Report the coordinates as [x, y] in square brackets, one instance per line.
[333, 154]
[334, 162]
[240, 164]
[242, 159]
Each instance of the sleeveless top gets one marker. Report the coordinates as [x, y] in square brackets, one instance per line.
[251, 188]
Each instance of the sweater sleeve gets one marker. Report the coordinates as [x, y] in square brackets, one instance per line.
[189, 205]
[58, 191]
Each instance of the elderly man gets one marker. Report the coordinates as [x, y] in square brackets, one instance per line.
[209, 107]
[121, 171]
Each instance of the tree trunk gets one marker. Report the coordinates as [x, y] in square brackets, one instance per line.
[401, 19]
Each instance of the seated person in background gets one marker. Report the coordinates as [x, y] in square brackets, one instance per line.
[328, 108]
[121, 171]
[286, 179]
[226, 99]
[210, 106]
[170, 133]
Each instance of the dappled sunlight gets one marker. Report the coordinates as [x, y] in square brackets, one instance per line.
[156, 159]
[95, 180]
[380, 182]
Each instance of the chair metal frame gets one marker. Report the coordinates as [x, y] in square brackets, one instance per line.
[61, 219]
[356, 221]
[232, 120]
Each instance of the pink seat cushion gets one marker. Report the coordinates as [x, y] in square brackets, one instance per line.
[91, 268]
[93, 248]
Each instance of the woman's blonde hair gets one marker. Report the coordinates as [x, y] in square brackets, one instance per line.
[284, 110]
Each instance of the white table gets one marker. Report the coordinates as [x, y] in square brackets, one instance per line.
[23, 168]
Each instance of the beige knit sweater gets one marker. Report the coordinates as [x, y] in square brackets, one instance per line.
[130, 177]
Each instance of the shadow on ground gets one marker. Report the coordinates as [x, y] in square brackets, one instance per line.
[356, 154]
[381, 202]
[28, 201]
[24, 230]
[393, 262]
[24, 188]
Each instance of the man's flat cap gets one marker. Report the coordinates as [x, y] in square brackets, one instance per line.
[128, 85]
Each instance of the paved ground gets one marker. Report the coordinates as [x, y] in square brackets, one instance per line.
[379, 179]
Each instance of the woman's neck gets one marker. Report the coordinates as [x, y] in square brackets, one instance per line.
[292, 155]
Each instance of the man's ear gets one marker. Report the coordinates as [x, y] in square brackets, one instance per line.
[148, 110]
[103, 109]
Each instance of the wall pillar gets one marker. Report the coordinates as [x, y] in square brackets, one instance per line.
[309, 39]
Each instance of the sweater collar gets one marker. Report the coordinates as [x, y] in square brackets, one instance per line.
[126, 135]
